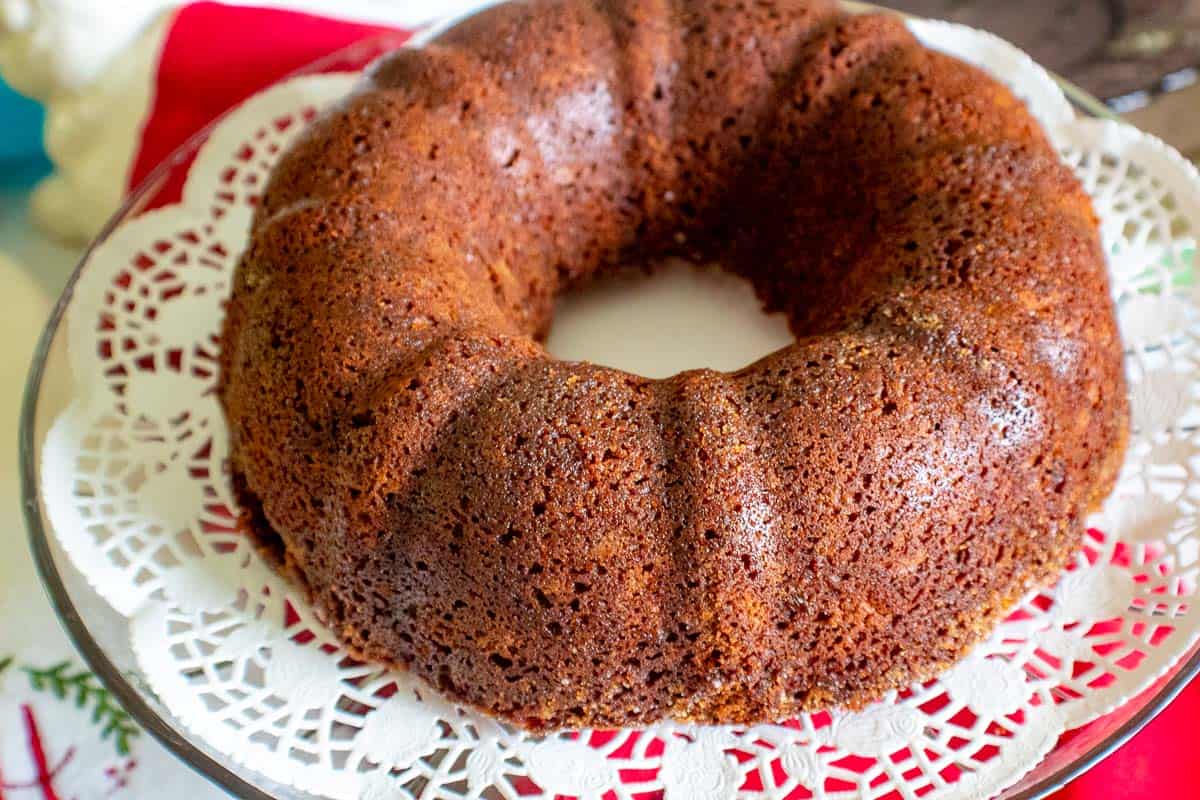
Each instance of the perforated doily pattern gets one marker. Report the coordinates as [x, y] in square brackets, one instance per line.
[135, 487]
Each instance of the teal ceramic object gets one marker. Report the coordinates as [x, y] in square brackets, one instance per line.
[21, 155]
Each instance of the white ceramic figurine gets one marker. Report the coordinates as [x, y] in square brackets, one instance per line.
[92, 63]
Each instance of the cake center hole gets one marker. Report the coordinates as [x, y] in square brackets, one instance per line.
[678, 317]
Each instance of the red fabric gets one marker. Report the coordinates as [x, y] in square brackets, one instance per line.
[214, 56]
[1160, 763]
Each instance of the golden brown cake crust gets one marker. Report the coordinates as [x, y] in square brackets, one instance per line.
[566, 544]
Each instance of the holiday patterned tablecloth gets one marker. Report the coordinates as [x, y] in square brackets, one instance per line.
[61, 733]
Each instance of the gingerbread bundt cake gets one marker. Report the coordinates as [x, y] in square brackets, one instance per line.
[562, 543]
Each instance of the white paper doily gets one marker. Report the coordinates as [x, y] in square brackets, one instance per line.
[133, 484]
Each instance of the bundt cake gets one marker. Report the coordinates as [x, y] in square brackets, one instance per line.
[566, 544]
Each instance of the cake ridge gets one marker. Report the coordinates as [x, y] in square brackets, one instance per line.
[561, 543]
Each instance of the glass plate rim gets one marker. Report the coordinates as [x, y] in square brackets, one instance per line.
[131, 698]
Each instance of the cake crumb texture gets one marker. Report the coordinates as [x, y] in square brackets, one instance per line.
[565, 544]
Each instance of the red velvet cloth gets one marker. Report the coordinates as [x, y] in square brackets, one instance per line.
[215, 55]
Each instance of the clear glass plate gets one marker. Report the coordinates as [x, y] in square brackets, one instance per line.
[102, 635]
